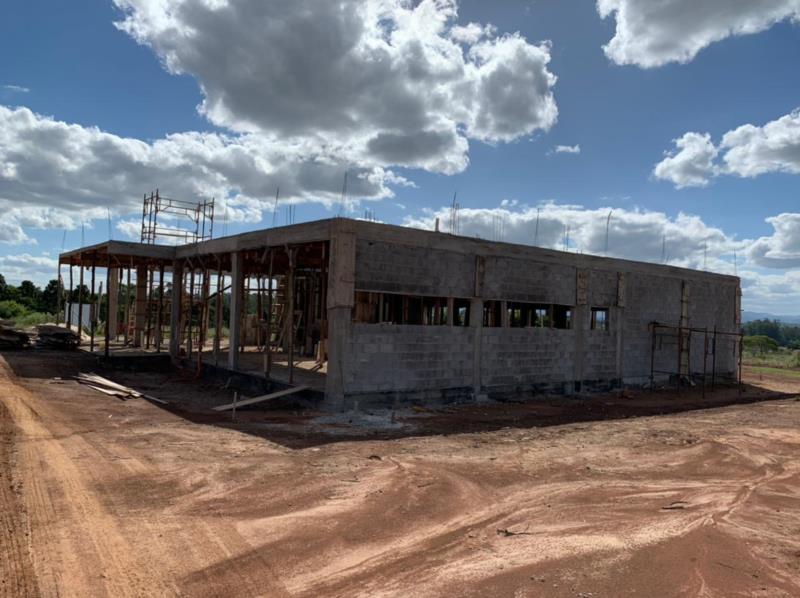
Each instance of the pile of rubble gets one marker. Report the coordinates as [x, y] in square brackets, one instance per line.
[10, 338]
[56, 337]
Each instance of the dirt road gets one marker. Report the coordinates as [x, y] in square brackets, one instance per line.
[107, 498]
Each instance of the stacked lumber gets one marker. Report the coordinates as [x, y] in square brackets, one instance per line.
[56, 337]
[12, 339]
[111, 388]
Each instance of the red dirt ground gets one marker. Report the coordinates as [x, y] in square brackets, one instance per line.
[566, 497]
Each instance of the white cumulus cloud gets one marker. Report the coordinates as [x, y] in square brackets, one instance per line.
[382, 82]
[566, 149]
[643, 235]
[651, 33]
[747, 151]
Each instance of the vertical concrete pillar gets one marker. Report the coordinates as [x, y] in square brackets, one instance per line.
[476, 323]
[113, 303]
[341, 297]
[237, 300]
[175, 310]
[140, 309]
[580, 321]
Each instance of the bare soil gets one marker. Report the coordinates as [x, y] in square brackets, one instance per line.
[640, 494]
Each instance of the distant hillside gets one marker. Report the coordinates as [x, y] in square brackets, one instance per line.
[749, 316]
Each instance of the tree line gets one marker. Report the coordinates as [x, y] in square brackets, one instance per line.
[785, 335]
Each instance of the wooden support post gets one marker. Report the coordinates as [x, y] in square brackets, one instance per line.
[149, 338]
[110, 275]
[245, 305]
[68, 316]
[92, 311]
[127, 314]
[290, 318]
[218, 313]
[190, 315]
[270, 303]
[80, 301]
[140, 307]
[235, 322]
[202, 325]
[58, 294]
[175, 310]
[323, 332]
[160, 314]
[112, 299]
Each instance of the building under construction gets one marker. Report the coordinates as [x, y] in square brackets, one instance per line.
[363, 313]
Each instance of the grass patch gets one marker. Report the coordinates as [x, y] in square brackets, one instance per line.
[776, 371]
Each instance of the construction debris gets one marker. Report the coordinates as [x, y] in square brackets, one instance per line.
[113, 389]
[56, 337]
[274, 395]
[11, 338]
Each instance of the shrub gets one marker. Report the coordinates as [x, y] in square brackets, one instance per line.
[11, 310]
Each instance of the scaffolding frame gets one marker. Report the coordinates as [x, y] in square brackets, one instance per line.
[684, 343]
[200, 217]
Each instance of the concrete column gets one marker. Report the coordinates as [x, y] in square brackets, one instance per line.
[341, 297]
[175, 310]
[237, 303]
[476, 323]
[113, 302]
[140, 309]
[451, 317]
[580, 322]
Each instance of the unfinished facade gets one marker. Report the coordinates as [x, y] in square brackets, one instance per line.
[369, 313]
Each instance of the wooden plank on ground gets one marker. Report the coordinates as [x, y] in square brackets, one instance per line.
[274, 395]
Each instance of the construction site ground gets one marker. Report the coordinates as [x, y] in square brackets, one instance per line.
[634, 494]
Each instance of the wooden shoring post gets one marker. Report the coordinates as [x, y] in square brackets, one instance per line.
[270, 303]
[323, 333]
[290, 319]
[148, 326]
[68, 316]
[120, 280]
[202, 324]
[92, 310]
[218, 312]
[191, 312]
[107, 349]
[80, 301]
[714, 360]
[245, 302]
[260, 311]
[160, 312]
[126, 333]
[58, 294]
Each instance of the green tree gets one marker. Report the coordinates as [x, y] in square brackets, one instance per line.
[48, 301]
[760, 344]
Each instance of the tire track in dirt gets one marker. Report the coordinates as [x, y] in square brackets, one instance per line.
[17, 576]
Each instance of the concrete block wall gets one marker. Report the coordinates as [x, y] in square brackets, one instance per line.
[713, 304]
[527, 358]
[396, 268]
[382, 358]
[649, 298]
[514, 279]
[387, 358]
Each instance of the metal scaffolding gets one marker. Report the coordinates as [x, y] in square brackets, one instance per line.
[663, 336]
[194, 222]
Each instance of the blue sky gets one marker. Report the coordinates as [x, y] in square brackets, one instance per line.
[70, 63]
